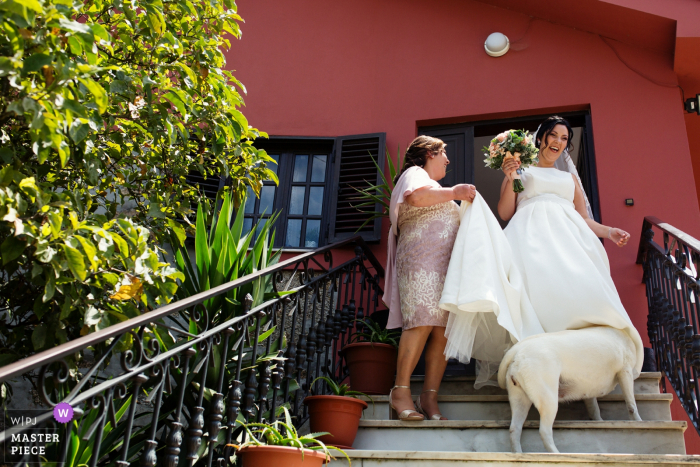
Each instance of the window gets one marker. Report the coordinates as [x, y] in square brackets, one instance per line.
[315, 195]
[262, 207]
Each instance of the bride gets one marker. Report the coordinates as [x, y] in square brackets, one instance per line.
[547, 266]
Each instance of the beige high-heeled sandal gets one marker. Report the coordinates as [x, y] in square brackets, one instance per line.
[435, 416]
[407, 415]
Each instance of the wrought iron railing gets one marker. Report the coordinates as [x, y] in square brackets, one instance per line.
[177, 392]
[672, 278]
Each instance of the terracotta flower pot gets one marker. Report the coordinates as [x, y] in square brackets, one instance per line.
[266, 456]
[372, 366]
[338, 415]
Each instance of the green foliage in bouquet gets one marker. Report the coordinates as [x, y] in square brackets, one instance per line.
[516, 144]
[106, 106]
[378, 194]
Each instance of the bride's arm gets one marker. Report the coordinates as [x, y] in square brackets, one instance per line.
[618, 236]
[506, 204]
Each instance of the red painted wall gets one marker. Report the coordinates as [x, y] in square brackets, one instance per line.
[319, 68]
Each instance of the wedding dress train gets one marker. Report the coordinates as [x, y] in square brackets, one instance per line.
[546, 272]
[484, 293]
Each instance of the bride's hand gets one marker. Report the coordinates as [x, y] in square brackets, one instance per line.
[619, 236]
[509, 167]
[464, 191]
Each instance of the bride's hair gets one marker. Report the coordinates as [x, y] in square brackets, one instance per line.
[418, 151]
[547, 127]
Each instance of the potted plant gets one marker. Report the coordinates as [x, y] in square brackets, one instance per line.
[279, 444]
[371, 358]
[338, 413]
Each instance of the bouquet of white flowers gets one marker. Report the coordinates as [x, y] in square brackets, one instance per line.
[515, 144]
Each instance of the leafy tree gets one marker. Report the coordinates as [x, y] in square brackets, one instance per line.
[105, 107]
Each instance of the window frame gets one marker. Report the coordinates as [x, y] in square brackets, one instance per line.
[287, 148]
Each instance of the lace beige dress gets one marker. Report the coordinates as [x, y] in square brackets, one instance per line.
[426, 237]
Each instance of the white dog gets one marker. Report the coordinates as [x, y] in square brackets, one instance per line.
[566, 366]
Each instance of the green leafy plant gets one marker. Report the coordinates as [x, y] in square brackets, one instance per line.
[378, 194]
[342, 390]
[374, 333]
[106, 106]
[78, 272]
[282, 433]
[224, 253]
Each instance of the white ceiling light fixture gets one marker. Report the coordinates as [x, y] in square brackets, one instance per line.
[497, 44]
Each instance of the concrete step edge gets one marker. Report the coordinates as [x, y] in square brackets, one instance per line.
[652, 459]
[564, 424]
[646, 375]
[504, 398]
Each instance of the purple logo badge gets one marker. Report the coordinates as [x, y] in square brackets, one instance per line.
[63, 412]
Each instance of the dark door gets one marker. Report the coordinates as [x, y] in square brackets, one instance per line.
[460, 151]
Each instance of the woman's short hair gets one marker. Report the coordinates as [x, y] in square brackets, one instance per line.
[418, 152]
[546, 128]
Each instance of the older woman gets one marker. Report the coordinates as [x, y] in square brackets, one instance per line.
[425, 218]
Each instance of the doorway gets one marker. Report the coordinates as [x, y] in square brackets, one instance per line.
[465, 142]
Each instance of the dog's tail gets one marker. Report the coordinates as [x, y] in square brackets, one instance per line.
[503, 367]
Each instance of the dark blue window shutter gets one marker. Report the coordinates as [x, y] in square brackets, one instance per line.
[353, 167]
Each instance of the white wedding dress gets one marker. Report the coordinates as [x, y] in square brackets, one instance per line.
[547, 267]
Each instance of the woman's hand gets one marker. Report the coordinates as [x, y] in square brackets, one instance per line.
[618, 236]
[464, 191]
[509, 167]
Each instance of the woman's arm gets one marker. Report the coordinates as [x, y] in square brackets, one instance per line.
[428, 196]
[618, 236]
[506, 204]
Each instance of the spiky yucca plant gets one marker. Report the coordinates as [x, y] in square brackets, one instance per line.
[378, 194]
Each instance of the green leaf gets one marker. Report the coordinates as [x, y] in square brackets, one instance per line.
[97, 91]
[176, 101]
[73, 26]
[154, 210]
[99, 31]
[11, 249]
[78, 130]
[39, 337]
[76, 263]
[118, 87]
[76, 47]
[36, 62]
[90, 251]
[121, 244]
[155, 20]
[31, 4]
[201, 247]
[266, 334]
[178, 230]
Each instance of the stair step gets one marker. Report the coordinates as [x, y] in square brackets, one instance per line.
[496, 407]
[647, 383]
[652, 437]
[362, 458]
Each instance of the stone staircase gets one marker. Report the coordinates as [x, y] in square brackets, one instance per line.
[477, 432]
